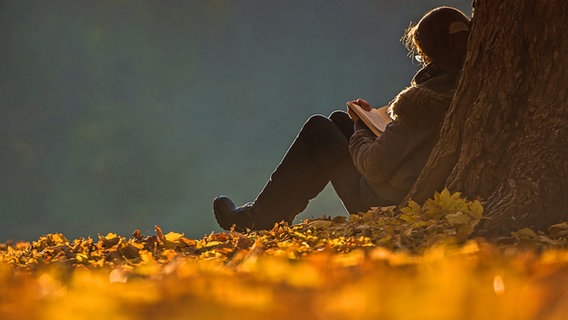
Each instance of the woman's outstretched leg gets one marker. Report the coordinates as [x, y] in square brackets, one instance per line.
[318, 155]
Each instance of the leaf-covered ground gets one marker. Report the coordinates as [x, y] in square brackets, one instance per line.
[376, 265]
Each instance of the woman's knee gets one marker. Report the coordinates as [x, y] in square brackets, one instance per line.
[339, 116]
[317, 123]
[320, 131]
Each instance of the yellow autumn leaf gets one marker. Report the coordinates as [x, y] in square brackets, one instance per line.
[81, 257]
[146, 257]
[110, 236]
[412, 207]
[448, 201]
[432, 210]
[212, 243]
[476, 209]
[458, 218]
[409, 217]
[173, 236]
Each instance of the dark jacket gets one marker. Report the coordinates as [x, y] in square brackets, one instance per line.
[391, 163]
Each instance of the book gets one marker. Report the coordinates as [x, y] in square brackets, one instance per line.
[376, 119]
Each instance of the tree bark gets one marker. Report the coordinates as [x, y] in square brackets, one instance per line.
[505, 137]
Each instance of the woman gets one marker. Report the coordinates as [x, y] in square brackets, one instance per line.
[365, 170]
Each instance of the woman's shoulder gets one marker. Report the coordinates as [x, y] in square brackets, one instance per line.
[420, 97]
[423, 104]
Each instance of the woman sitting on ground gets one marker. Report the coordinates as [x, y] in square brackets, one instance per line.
[365, 170]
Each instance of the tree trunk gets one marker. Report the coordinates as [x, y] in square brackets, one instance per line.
[505, 137]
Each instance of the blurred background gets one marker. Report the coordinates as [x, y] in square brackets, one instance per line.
[118, 115]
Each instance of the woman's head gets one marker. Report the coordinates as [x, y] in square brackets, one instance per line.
[440, 37]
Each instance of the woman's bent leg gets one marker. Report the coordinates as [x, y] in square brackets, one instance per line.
[318, 155]
[318, 151]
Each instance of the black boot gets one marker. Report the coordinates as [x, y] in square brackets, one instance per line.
[227, 214]
[249, 216]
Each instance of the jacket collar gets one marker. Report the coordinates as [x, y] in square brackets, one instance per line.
[427, 72]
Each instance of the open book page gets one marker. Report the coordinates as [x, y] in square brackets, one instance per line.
[376, 119]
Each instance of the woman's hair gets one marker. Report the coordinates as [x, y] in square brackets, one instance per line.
[440, 37]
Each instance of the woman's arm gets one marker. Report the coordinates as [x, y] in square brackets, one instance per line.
[377, 158]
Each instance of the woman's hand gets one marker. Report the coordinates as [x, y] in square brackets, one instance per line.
[363, 104]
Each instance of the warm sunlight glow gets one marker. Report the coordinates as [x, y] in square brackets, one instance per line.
[498, 285]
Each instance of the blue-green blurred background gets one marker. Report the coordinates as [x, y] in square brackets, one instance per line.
[118, 115]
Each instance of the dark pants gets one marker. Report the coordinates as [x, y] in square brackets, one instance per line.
[318, 155]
